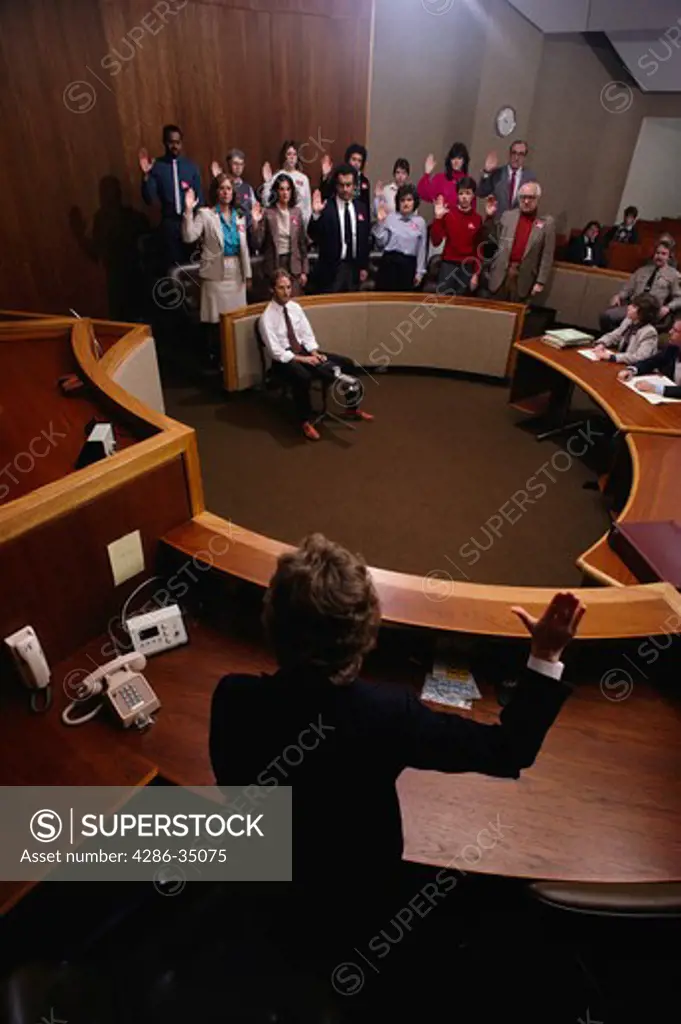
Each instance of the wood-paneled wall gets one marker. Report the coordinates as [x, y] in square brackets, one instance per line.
[85, 83]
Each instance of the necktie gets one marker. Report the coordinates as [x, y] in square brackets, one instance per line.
[296, 347]
[651, 280]
[349, 248]
[176, 188]
[511, 188]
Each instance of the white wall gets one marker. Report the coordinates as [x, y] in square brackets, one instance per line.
[654, 180]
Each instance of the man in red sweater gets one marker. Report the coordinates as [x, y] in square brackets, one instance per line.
[461, 231]
[525, 244]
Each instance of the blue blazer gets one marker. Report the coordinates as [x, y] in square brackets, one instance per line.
[159, 185]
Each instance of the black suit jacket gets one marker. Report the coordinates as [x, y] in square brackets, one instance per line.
[326, 232]
[665, 362]
[576, 252]
[343, 747]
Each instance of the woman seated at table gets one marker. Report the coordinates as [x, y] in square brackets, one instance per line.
[289, 164]
[445, 183]
[225, 269]
[403, 237]
[280, 235]
[636, 337]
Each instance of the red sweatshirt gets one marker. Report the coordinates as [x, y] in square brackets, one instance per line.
[461, 233]
[522, 236]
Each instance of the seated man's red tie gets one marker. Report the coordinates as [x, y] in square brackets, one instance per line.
[296, 347]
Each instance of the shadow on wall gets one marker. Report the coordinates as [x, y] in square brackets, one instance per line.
[116, 242]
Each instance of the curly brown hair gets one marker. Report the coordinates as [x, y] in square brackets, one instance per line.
[321, 610]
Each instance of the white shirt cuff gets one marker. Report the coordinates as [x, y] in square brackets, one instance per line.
[554, 669]
[658, 387]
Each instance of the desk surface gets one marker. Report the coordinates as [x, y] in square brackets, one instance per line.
[600, 804]
[655, 495]
[627, 410]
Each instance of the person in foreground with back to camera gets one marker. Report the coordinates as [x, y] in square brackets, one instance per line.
[296, 358]
[666, 362]
[322, 615]
[403, 237]
[636, 337]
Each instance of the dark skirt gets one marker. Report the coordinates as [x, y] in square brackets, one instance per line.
[396, 273]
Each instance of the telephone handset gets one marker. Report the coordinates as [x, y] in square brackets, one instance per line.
[121, 682]
[32, 665]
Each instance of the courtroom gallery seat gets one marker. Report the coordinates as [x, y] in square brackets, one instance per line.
[616, 900]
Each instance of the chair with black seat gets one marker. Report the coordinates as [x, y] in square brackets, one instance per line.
[270, 382]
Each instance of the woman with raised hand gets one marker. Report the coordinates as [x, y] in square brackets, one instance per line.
[403, 237]
[280, 235]
[225, 269]
[289, 163]
[445, 182]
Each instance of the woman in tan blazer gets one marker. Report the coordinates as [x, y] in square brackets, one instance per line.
[636, 337]
[225, 269]
[279, 232]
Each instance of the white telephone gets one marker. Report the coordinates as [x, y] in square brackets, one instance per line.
[126, 689]
[32, 665]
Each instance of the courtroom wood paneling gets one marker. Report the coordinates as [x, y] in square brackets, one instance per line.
[58, 574]
[231, 72]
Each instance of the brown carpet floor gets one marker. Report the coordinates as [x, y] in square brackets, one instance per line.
[415, 491]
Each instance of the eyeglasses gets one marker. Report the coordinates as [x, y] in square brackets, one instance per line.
[527, 196]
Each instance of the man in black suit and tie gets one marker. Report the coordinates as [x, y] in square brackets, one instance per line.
[340, 227]
[666, 362]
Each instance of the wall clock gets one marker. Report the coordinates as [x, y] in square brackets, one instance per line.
[505, 121]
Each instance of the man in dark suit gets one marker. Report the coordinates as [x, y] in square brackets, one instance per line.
[586, 249]
[666, 362]
[504, 183]
[166, 180]
[341, 743]
[341, 228]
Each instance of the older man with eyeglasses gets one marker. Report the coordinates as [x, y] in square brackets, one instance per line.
[504, 183]
[523, 244]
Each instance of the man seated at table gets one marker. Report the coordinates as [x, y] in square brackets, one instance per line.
[636, 337]
[321, 615]
[666, 363]
[658, 279]
[296, 358]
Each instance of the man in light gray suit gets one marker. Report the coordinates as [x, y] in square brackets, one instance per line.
[658, 279]
[504, 183]
[523, 245]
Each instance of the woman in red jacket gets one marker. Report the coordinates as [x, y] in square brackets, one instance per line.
[461, 229]
[444, 184]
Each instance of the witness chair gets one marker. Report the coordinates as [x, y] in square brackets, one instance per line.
[271, 382]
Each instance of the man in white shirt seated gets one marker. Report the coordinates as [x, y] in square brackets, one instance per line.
[297, 359]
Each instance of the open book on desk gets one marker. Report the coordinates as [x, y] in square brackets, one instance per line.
[651, 396]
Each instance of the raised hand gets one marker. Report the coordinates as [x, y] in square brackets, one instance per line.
[491, 206]
[145, 163]
[382, 211]
[615, 301]
[267, 171]
[440, 208]
[378, 190]
[429, 165]
[326, 164]
[491, 162]
[215, 168]
[190, 200]
[557, 626]
[256, 213]
[318, 203]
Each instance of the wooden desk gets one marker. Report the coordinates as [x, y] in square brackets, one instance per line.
[539, 369]
[601, 802]
[655, 495]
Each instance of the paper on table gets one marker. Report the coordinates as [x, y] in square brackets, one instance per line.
[651, 396]
[588, 353]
